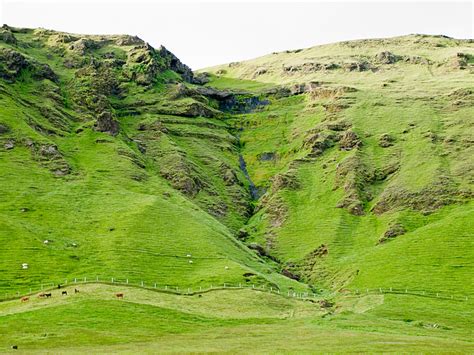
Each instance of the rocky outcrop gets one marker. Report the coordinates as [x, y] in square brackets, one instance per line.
[318, 142]
[349, 140]
[106, 123]
[288, 180]
[172, 62]
[12, 63]
[7, 36]
[387, 57]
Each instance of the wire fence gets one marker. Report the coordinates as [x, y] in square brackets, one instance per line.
[193, 290]
[405, 291]
[47, 287]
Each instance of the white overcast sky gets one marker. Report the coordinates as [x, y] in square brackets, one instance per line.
[203, 33]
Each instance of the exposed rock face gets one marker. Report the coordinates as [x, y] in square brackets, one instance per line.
[13, 62]
[201, 78]
[230, 101]
[106, 123]
[83, 45]
[176, 65]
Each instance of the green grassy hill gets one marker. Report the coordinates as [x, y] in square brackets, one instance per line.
[366, 155]
[339, 169]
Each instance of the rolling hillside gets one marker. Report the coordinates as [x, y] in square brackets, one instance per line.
[340, 170]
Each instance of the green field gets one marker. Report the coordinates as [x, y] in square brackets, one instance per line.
[228, 320]
[343, 172]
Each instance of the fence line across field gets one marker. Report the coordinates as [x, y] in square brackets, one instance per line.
[180, 290]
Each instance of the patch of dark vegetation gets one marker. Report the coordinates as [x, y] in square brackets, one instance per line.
[4, 128]
[386, 140]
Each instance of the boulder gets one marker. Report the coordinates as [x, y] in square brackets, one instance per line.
[9, 145]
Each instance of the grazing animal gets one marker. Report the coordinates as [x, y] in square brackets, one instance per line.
[47, 295]
[41, 295]
[76, 290]
[119, 295]
[25, 299]
[15, 347]
[64, 293]
[59, 286]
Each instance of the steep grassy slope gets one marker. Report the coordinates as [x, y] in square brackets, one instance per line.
[108, 170]
[366, 154]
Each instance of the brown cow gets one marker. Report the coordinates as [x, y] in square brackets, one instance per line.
[25, 299]
[119, 295]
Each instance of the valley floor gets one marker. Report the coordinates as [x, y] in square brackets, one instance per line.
[237, 321]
